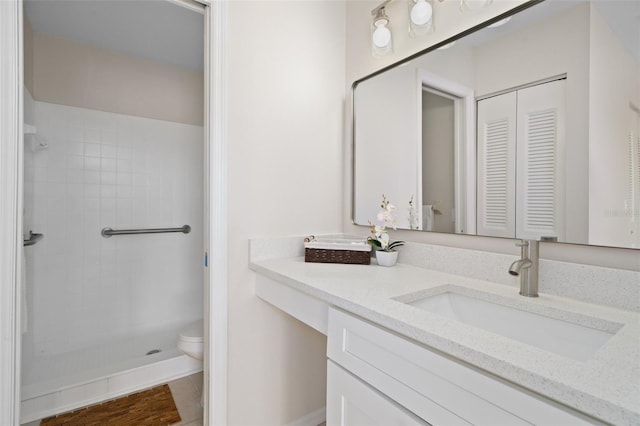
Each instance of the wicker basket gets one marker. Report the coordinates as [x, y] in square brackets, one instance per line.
[347, 251]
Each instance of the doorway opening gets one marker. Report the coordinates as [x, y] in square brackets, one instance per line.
[447, 144]
[115, 133]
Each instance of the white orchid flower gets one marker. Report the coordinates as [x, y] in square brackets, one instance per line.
[384, 240]
[380, 237]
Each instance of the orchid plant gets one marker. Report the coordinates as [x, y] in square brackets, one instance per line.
[380, 236]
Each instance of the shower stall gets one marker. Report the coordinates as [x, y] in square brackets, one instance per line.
[113, 139]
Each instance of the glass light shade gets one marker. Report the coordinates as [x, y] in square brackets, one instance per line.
[420, 17]
[473, 5]
[500, 22]
[381, 38]
[421, 12]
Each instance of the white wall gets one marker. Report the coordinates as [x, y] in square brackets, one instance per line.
[449, 21]
[285, 108]
[70, 73]
[104, 169]
[390, 103]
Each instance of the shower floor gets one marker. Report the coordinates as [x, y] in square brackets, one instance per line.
[54, 384]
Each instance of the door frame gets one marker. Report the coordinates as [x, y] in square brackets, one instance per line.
[464, 144]
[215, 201]
[215, 241]
[11, 82]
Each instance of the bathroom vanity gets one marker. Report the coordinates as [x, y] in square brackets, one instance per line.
[496, 136]
[411, 345]
[420, 384]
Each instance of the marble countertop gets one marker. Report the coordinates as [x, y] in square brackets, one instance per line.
[606, 386]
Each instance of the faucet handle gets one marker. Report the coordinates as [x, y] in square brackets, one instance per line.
[522, 243]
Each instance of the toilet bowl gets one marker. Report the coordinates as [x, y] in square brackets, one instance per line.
[191, 341]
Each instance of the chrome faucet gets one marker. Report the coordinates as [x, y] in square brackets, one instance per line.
[527, 267]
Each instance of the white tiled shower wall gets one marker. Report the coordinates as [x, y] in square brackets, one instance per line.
[104, 169]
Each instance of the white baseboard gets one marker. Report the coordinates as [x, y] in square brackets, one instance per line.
[312, 419]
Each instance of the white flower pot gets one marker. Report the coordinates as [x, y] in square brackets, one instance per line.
[386, 258]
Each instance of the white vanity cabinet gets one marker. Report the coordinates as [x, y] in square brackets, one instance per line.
[378, 377]
[352, 402]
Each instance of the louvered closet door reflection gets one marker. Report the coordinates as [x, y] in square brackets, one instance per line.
[632, 201]
[540, 156]
[496, 165]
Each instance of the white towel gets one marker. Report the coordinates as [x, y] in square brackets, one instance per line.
[23, 292]
[427, 217]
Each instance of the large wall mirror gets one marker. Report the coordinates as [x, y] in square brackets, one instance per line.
[528, 129]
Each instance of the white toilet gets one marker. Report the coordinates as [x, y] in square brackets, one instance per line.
[191, 343]
[191, 340]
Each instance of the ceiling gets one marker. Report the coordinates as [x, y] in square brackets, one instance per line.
[157, 30]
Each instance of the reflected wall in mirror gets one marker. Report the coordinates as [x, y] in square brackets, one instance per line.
[525, 130]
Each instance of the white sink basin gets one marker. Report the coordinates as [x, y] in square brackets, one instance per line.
[554, 335]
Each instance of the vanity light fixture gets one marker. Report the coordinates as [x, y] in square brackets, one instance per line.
[381, 40]
[420, 17]
[420, 22]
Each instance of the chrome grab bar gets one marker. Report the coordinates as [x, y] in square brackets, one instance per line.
[108, 232]
[33, 238]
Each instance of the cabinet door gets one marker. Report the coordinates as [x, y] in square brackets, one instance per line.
[540, 161]
[437, 389]
[496, 166]
[351, 402]
[521, 144]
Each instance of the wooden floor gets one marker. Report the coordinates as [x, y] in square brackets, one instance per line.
[151, 407]
[185, 394]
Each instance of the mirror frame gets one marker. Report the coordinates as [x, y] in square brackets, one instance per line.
[471, 30]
